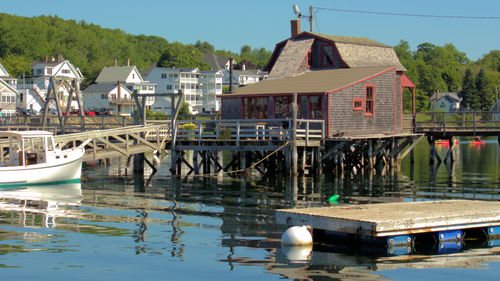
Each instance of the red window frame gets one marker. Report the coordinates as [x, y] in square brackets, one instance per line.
[357, 104]
[309, 58]
[369, 100]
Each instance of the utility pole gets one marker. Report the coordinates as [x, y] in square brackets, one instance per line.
[310, 17]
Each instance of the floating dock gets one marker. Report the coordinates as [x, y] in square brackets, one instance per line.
[400, 222]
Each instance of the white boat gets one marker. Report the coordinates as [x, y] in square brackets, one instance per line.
[31, 157]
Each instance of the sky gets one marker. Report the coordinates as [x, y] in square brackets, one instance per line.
[230, 24]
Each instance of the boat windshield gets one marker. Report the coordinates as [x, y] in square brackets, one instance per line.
[34, 144]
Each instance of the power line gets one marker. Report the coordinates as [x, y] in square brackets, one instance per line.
[408, 15]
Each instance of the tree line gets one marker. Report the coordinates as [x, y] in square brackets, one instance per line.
[446, 69]
[91, 47]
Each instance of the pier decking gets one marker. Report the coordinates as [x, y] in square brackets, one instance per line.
[393, 219]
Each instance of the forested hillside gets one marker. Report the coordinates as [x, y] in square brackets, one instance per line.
[446, 69]
[91, 47]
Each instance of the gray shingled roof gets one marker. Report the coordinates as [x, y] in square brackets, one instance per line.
[451, 96]
[114, 73]
[324, 81]
[350, 40]
[101, 88]
[290, 58]
[355, 55]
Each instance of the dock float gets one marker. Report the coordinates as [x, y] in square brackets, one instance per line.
[401, 222]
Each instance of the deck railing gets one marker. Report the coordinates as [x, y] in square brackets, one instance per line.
[453, 122]
[239, 131]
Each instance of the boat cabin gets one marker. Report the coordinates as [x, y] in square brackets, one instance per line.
[23, 148]
[354, 84]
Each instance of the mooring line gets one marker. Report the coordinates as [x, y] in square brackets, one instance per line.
[240, 170]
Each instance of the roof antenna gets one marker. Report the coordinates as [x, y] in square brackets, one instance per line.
[310, 17]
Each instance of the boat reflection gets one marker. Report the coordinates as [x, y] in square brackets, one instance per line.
[28, 202]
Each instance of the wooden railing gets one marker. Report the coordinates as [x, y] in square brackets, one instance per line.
[477, 123]
[239, 131]
[72, 123]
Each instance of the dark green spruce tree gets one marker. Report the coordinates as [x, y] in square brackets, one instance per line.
[484, 92]
[468, 91]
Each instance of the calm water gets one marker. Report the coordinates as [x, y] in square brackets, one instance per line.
[222, 228]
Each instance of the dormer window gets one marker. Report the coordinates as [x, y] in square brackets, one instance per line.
[309, 58]
[327, 56]
[49, 71]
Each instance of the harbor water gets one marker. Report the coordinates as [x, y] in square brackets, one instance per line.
[114, 226]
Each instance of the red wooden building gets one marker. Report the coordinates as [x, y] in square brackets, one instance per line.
[354, 84]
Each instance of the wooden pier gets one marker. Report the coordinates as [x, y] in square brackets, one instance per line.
[401, 219]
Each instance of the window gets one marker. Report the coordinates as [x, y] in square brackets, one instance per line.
[282, 107]
[49, 71]
[315, 107]
[255, 108]
[327, 56]
[8, 98]
[163, 75]
[65, 71]
[309, 58]
[369, 98]
[104, 96]
[357, 104]
[169, 87]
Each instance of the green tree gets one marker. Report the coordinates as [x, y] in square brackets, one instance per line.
[468, 94]
[484, 93]
[182, 56]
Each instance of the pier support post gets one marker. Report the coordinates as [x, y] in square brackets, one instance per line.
[294, 135]
[139, 163]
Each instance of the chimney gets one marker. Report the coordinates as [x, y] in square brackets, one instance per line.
[46, 59]
[128, 62]
[59, 58]
[295, 27]
[437, 94]
[116, 62]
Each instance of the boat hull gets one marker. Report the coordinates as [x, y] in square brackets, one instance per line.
[66, 169]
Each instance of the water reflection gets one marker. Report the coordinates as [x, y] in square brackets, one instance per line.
[26, 203]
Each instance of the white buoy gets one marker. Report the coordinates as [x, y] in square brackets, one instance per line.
[297, 235]
[297, 254]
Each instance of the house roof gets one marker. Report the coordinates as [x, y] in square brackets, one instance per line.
[115, 73]
[103, 88]
[215, 62]
[291, 57]
[6, 85]
[348, 39]
[3, 71]
[324, 81]
[353, 51]
[450, 96]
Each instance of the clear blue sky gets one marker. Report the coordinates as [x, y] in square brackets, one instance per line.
[230, 24]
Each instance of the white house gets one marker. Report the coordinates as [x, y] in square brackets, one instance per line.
[33, 89]
[109, 95]
[128, 77]
[449, 101]
[8, 93]
[211, 85]
[171, 80]
[200, 88]
[495, 109]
